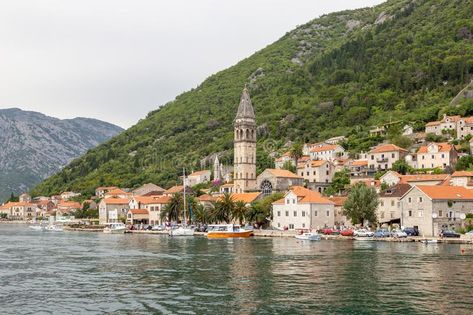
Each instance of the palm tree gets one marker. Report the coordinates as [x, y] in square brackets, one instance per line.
[239, 212]
[296, 151]
[202, 214]
[223, 208]
[172, 211]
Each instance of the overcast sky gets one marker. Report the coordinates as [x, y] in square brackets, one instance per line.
[116, 60]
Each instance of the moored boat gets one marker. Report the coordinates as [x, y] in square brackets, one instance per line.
[115, 228]
[227, 231]
[54, 228]
[181, 231]
[308, 236]
[37, 227]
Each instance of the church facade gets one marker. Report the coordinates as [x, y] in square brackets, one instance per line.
[244, 146]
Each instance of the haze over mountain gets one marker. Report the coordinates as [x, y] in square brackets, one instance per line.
[35, 146]
[340, 74]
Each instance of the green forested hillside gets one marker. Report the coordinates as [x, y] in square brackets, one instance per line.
[339, 74]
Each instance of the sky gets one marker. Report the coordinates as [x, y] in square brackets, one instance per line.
[117, 60]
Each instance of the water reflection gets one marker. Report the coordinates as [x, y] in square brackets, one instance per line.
[97, 273]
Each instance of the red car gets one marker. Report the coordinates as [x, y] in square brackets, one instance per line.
[347, 232]
[330, 231]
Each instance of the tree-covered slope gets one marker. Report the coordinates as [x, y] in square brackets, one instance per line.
[336, 75]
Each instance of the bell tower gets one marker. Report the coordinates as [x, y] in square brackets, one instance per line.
[244, 146]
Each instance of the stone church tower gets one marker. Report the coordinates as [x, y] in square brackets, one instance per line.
[245, 146]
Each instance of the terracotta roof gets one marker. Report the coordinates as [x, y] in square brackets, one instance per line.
[117, 191]
[396, 191]
[175, 189]
[338, 201]
[227, 185]
[305, 196]
[387, 148]
[432, 123]
[162, 200]
[116, 201]
[328, 147]
[447, 192]
[443, 147]
[468, 120]
[453, 118]
[462, 174]
[70, 204]
[198, 173]
[282, 173]
[145, 200]
[304, 158]
[17, 204]
[139, 211]
[423, 178]
[315, 163]
[207, 197]
[246, 197]
[360, 163]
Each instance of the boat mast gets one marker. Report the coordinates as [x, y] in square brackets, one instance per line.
[184, 182]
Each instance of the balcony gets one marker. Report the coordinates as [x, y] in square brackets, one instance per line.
[382, 160]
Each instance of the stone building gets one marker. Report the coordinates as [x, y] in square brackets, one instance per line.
[437, 155]
[383, 157]
[389, 207]
[245, 146]
[273, 180]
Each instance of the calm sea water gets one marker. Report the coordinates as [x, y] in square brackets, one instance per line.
[73, 272]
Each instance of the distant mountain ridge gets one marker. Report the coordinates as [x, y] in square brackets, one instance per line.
[35, 146]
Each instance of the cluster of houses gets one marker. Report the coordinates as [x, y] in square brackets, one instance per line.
[429, 202]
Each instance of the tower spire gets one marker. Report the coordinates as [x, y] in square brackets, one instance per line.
[245, 109]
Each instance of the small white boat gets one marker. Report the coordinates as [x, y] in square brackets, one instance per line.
[181, 231]
[37, 227]
[308, 236]
[430, 241]
[54, 228]
[115, 228]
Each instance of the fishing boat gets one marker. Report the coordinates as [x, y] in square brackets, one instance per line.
[183, 230]
[308, 236]
[115, 228]
[227, 231]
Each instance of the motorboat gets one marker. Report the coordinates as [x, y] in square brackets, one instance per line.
[227, 231]
[37, 227]
[181, 231]
[308, 236]
[115, 228]
[54, 228]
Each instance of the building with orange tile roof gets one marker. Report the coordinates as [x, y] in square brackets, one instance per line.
[198, 177]
[137, 216]
[273, 180]
[317, 173]
[389, 206]
[304, 209]
[247, 198]
[117, 193]
[384, 156]
[102, 190]
[433, 208]
[327, 152]
[113, 209]
[437, 155]
[19, 210]
[153, 204]
[448, 123]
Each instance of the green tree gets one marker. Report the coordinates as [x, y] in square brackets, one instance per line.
[296, 151]
[173, 210]
[340, 181]
[401, 141]
[239, 212]
[202, 214]
[13, 198]
[289, 166]
[361, 204]
[464, 163]
[224, 208]
[401, 167]
[261, 210]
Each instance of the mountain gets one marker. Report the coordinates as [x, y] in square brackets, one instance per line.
[35, 146]
[339, 74]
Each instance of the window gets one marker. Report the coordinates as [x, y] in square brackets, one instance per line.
[294, 201]
[409, 200]
[303, 213]
[440, 213]
[392, 203]
[302, 173]
[279, 224]
[372, 157]
[328, 213]
[303, 225]
[315, 213]
[308, 173]
[291, 226]
[326, 172]
[382, 215]
[392, 155]
[287, 213]
[314, 173]
[443, 156]
[421, 213]
[295, 213]
[279, 213]
[410, 213]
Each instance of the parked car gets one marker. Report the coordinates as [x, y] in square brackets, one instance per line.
[382, 233]
[347, 232]
[449, 233]
[327, 231]
[470, 233]
[363, 233]
[411, 231]
[398, 233]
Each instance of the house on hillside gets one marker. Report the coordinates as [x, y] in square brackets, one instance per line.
[198, 177]
[148, 189]
[302, 208]
[101, 191]
[389, 206]
[112, 209]
[446, 124]
[318, 173]
[437, 155]
[327, 152]
[384, 156]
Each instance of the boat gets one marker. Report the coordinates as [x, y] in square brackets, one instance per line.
[115, 228]
[308, 236]
[37, 227]
[433, 241]
[54, 228]
[183, 230]
[227, 231]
